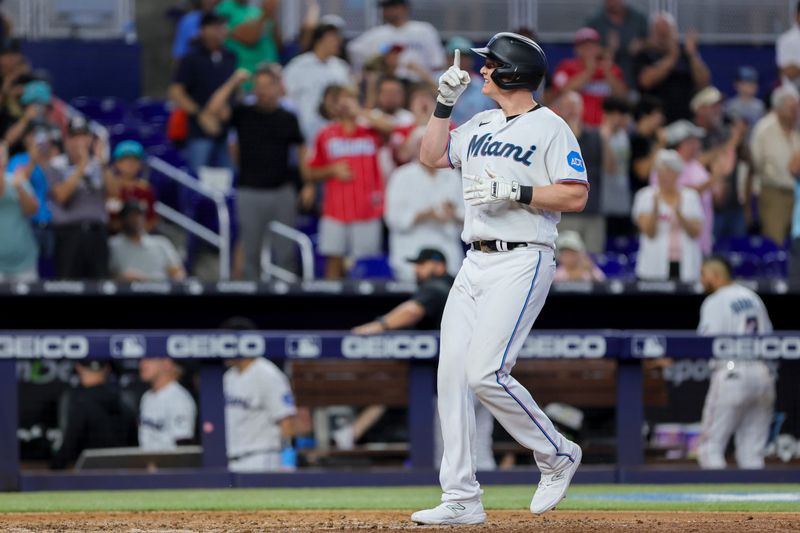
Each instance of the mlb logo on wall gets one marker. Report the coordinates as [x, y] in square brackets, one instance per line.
[649, 346]
[575, 160]
[132, 346]
[304, 346]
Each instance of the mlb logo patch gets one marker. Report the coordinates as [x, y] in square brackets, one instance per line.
[575, 161]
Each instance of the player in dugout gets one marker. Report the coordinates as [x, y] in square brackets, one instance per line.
[741, 396]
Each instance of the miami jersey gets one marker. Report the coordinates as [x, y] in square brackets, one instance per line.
[734, 310]
[166, 416]
[256, 400]
[537, 149]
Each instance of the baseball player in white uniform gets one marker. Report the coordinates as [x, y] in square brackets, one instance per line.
[259, 416]
[741, 396]
[167, 411]
[521, 167]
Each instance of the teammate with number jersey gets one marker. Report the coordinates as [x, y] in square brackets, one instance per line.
[521, 167]
[741, 396]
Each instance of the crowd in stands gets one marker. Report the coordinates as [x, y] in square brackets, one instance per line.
[331, 129]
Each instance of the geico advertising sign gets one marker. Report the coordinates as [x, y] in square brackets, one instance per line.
[756, 347]
[564, 347]
[44, 346]
[222, 345]
[390, 346]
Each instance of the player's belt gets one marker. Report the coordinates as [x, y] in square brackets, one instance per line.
[496, 246]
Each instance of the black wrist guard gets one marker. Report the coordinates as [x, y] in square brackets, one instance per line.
[442, 111]
[525, 194]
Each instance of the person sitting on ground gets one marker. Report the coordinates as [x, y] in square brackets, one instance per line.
[139, 256]
[574, 264]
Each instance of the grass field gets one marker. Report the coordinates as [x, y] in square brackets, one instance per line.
[743, 498]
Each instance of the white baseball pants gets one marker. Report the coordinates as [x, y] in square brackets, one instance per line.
[739, 402]
[490, 310]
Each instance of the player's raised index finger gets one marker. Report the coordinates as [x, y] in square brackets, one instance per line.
[457, 58]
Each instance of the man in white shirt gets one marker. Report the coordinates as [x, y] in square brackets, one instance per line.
[167, 411]
[741, 396]
[420, 40]
[307, 75]
[787, 51]
[259, 416]
[430, 220]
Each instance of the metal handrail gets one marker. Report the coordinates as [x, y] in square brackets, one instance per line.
[303, 241]
[223, 239]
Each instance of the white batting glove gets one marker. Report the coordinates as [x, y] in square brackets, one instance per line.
[453, 82]
[490, 190]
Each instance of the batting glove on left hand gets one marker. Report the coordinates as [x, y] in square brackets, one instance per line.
[453, 82]
[490, 190]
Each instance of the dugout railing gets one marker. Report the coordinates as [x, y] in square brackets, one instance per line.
[629, 348]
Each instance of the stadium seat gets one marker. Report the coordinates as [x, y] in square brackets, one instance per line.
[613, 265]
[775, 265]
[754, 244]
[105, 111]
[744, 264]
[150, 111]
[622, 244]
[373, 268]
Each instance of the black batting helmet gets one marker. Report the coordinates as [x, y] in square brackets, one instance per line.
[522, 61]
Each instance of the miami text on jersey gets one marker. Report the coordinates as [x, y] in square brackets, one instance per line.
[483, 146]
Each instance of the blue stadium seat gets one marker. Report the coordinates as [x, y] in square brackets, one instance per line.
[106, 110]
[775, 265]
[151, 111]
[622, 245]
[744, 264]
[374, 268]
[613, 265]
[753, 244]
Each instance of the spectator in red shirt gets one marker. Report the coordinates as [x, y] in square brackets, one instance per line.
[127, 169]
[346, 159]
[592, 73]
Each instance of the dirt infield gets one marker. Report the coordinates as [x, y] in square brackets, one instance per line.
[389, 521]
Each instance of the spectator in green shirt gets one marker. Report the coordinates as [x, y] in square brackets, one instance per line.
[254, 34]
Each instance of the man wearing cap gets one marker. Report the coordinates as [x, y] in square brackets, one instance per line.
[787, 51]
[307, 75]
[421, 42]
[189, 26]
[746, 105]
[138, 256]
[669, 70]
[592, 73]
[92, 415]
[77, 188]
[721, 141]
[423, 310]
[203, 70]
[35, 100]
[686, 139]
[774, 143]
